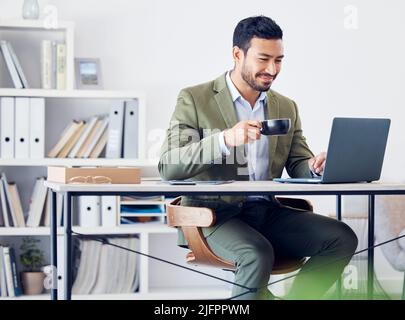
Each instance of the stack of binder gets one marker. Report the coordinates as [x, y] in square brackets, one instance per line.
[123, 132]
[22, 127]
[97, 211]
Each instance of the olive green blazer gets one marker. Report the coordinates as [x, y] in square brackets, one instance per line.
[191, 149]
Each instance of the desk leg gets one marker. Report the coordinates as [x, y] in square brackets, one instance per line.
[68, 246]
[54, 246]
[370, 272]
[339, 218]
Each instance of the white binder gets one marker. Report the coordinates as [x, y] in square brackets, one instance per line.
[7, 127]
[131, 129]
[22, 128]
[89, 211]
[109, 209]
[115, 130]
[37, 128]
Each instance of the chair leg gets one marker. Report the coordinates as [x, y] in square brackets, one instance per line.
[403, 289]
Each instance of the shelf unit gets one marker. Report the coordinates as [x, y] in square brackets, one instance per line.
[154, 237]
[205, 293]
[26, 36]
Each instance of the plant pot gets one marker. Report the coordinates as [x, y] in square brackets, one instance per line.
[33, 282]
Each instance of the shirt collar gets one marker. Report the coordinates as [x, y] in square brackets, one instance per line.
[235, 94]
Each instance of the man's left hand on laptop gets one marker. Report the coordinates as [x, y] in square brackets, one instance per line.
[317, 164]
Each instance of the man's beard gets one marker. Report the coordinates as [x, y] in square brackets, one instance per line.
[251, 81]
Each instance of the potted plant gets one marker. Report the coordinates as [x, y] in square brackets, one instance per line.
[32, 258]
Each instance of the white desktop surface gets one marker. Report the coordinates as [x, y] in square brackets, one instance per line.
[237, 187]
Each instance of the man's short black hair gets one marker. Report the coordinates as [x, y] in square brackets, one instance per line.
[260, 27]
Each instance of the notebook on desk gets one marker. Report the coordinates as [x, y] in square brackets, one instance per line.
[355, 152]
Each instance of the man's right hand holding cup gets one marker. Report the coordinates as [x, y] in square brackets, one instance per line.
[243, 132]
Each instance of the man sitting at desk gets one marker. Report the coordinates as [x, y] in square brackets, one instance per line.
[214, 134]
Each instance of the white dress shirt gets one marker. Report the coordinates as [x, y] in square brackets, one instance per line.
[257, 151]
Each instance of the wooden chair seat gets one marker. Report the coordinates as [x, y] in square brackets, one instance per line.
[192, 219]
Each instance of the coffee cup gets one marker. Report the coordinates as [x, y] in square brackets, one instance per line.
[275, 127]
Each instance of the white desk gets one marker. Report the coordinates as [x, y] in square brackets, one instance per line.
[148, 188]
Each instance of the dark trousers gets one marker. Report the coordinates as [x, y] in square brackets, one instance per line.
[263, 230]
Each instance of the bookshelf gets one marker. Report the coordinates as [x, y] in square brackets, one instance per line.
[60, 107]
[157, 281]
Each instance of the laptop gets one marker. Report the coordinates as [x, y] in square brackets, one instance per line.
[355, 152]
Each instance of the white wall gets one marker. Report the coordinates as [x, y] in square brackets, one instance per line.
[162, 46]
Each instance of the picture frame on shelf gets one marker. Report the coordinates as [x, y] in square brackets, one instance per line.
[88, 73]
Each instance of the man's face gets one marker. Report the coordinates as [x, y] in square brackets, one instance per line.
[261, 64]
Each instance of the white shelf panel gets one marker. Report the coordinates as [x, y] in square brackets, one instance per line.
[147, 227]
[153, 294]
[118, 296]
[14, 231]
[151, 227]
[91, 94]
[34, 24]
[45, 162]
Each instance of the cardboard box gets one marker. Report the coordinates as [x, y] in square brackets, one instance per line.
[114, 175]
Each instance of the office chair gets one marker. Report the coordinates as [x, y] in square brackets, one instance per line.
[192, 219]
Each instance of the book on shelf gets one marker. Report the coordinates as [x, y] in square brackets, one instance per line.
[13, 202]
[3, 281]
[46, 64]
[4, 207]
[103, 268]
[71, 142]
[37, 203]
[66, 135]
[100, 146]
[17, 65]
[9, 56]
[10, 283]
[61, 56]
[53, 65]
[95, 137]
[83, 136]
[89, 139]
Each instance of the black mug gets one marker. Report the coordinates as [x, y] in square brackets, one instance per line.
[275, 127]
